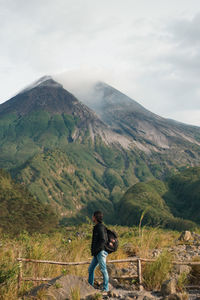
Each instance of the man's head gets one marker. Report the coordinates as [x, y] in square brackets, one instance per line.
[97, 217]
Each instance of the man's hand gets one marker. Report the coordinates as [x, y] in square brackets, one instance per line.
[111, 242]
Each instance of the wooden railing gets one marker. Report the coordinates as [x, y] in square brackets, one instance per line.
[135, 260]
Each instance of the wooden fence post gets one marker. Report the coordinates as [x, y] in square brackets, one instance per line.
[20, 275]
[139, 272]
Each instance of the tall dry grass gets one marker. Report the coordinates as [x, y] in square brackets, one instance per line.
[142, 241]
[56, 247]
[155, 273]
[75, 294]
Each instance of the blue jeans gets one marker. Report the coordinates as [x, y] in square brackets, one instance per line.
[100, 260]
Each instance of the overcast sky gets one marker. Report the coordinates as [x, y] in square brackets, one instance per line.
[148, 49]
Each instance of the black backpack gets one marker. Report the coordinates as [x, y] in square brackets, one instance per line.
[112, 241]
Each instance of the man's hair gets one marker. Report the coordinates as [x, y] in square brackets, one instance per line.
[98, 216]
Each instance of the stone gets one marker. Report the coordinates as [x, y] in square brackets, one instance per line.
[113, 294]
[61, 288]
[185, 236]
[145, 297]
[125, 270]
[156, 253]
[178, 269]
[112, 270]
[129, 249]
[132, 295]
[94, 297]
[168, 287]
[114, 282]
[196, 236]
[177, 296]
[141, 288]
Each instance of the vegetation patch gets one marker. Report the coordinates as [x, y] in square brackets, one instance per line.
[174, 203]
[157, 272]
[19, 210]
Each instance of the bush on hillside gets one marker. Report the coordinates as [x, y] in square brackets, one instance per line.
[174, 204]
[19, 210]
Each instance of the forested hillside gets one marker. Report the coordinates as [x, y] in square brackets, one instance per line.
[173, 203]
[19, 210]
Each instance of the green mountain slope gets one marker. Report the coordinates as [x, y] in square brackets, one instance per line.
[67, 156]
[19, 210]
[45, 117]
[174, 203]
[67, 180]
[21, 137]
[79, 179]
[184, 197]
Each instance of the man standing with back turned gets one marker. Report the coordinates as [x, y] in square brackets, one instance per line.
[99, 254]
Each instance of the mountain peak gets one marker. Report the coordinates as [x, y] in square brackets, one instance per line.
[113, 96]
[44, 94]
[48, 96]
[46, 80]
[108, 102]
[126, 116]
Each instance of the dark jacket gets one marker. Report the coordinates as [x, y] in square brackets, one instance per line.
[99, 239]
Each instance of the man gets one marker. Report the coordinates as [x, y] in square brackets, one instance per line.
[99, 239]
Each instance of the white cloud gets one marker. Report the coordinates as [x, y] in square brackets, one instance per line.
[187, 116]
[147, 49]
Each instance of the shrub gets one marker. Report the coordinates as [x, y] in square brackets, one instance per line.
[7, 274]
[157, 272]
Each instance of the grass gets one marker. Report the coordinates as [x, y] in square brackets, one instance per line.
[157, 272]
[182, 281]
[57, 248]
[96, 296]
[141, 241]
[42, 294]
[75, 294]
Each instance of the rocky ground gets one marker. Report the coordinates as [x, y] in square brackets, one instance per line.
[61, 288]
[185, 249]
